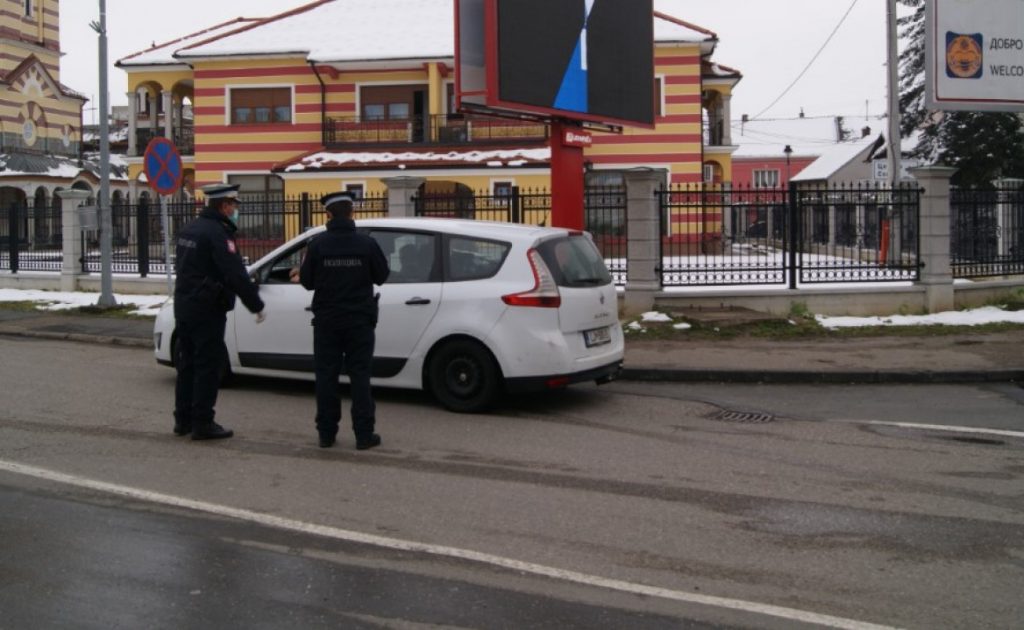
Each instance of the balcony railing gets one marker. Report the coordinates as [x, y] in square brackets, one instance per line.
[443, 129]
[184, 139]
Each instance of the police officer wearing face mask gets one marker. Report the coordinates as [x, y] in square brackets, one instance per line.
[210, 273]
[341, 266]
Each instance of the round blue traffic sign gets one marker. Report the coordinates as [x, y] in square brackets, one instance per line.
[162, 163]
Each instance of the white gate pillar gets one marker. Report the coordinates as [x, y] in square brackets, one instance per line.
[936, 262]
[643, 229]
[71, 230]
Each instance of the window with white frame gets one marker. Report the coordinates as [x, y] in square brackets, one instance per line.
[709, 173]
[357, 190]
[766, 178]
[28, 8]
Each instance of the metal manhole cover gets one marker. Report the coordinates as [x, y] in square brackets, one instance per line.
[744, 417]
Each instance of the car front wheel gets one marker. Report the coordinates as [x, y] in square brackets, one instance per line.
[463, 376]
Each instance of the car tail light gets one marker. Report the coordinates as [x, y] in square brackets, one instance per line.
[544, 293]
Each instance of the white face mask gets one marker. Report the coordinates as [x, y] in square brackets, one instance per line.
[234, 216]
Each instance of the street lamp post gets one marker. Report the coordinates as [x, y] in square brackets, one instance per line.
[788, 151]
[103, 203]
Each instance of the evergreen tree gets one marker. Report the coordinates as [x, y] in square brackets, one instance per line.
[983, 146]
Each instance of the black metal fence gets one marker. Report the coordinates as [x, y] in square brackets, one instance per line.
[31, 237]
[987, 231]
[710, 236]
[604, 212]
[721, 236]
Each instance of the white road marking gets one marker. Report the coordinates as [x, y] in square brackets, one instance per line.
[438, 550]
[944, 427]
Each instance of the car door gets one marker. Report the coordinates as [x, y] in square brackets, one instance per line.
[284, 342]
[410, 297]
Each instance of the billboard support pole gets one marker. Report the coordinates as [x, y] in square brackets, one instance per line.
[566, 177]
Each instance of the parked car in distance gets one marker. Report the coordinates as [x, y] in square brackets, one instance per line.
[471, 309]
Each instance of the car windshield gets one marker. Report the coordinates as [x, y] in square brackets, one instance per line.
[575, 261]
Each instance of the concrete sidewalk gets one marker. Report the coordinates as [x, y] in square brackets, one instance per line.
[965, 357]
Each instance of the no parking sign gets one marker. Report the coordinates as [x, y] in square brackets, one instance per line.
[162, 163]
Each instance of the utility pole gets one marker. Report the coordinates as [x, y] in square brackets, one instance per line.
[894, 96]
[103, 203]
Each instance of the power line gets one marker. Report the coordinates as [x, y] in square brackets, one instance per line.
[813, 59]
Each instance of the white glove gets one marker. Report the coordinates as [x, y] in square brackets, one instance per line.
[261, 317]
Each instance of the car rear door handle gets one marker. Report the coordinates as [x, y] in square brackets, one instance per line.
[417, 301]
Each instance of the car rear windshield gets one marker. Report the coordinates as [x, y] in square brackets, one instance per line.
[575, 261]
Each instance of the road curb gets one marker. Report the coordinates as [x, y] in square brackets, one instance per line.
[81, 338]
[676, 375]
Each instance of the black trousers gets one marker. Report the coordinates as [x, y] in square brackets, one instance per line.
[350, 345]
[200, 358]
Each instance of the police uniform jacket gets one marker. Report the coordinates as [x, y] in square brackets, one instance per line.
[210, 270]
[341, 266]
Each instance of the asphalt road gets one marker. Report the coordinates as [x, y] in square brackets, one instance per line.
[625, 505]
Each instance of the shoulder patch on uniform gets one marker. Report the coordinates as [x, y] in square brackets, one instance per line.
[231, 246]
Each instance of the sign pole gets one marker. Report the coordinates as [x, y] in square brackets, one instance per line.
[165, 226]
[164, 172]
[567, 142]
[894, 97]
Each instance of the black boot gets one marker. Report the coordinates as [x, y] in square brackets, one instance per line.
[210, 431]
[368, 441]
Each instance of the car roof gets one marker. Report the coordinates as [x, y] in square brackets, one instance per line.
[467, 227]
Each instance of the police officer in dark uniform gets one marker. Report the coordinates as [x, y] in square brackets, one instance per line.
[210, 273]
[341, 266]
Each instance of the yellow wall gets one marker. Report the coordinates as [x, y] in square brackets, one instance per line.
[37, 35]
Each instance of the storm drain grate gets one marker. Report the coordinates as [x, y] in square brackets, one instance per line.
[744, 417]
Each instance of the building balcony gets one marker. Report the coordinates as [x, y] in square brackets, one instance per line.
[184, 139]
[443, 129]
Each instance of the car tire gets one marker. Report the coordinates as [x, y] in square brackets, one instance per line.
[463, 376]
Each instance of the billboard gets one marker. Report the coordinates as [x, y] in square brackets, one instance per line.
[585, 60]
[974, 55]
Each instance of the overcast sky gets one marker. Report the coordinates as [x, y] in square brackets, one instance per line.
[769, 41]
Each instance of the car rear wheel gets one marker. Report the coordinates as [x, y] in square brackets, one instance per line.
[463, 376]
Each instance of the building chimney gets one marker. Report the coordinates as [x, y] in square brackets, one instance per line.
[865, 132]
[801, 112]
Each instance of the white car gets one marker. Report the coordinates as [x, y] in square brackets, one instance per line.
[471, 309]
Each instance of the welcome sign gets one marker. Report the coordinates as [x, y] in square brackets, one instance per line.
[974, 54]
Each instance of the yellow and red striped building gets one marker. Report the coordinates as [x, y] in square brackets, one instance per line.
[341, 94]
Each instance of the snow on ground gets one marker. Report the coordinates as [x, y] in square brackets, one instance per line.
[147, 305]
[974, 317]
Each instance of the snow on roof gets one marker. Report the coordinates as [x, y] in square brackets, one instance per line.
[808, 137]
[337, 31]
[325, 160]
[834, 158]
[163, 54]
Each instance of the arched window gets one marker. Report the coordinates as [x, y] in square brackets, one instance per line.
[28, 8]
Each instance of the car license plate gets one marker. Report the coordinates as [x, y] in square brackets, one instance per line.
[597, 337]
